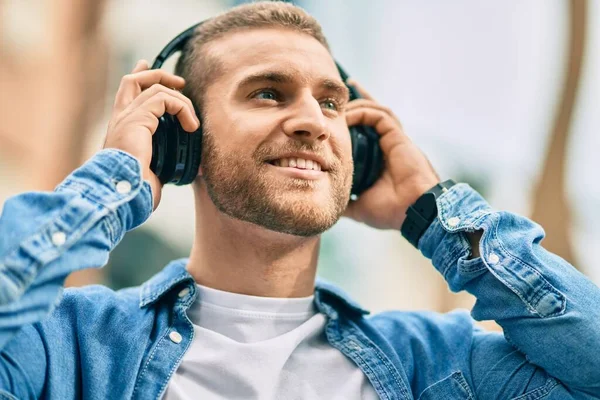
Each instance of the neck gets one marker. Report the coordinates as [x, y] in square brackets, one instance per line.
[240, 257]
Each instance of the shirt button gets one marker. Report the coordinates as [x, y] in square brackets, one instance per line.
[184, 292]
[493, 259]
[453, 221]
[59, 238]
[123, 187]
[175, 337]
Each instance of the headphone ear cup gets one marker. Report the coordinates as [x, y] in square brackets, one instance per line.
[366, 153]
[175, 152]
[164, 149]
[367, 157]
[359, 151]
[194, 149]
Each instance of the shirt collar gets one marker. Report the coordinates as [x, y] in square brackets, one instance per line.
[170, 276]
[328, 297]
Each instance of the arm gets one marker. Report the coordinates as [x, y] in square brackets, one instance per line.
[548, 310]
[46, 236]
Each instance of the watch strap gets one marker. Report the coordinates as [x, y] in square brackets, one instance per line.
[423, 212]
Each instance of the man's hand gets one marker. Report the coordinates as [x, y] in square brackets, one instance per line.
[143, 97]
[407, 173]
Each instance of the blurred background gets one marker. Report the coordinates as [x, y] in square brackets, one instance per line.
[501, 94]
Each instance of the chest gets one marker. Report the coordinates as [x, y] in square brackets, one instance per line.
[298, 364]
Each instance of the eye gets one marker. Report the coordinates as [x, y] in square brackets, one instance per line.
[266, 94]
[330, 104]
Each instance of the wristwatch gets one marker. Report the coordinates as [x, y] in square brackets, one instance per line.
[422, 213]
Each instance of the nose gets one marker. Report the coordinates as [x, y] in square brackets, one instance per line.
[307, 122]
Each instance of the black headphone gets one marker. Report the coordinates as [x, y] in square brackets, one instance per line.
[176, 153]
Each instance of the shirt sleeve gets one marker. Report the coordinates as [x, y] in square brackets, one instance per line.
[44, 236]
[548, 310]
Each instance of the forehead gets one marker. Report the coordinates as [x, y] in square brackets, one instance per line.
[250, 51]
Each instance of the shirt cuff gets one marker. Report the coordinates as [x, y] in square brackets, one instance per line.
[113, 179]
[460, 209]
[506, 249]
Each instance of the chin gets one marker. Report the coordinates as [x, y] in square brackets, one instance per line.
[307, 229]
[298, 207]
[302, 217]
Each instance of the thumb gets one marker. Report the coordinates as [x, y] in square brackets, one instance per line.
[350, 211]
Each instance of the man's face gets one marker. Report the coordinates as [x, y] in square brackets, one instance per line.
[276, 147]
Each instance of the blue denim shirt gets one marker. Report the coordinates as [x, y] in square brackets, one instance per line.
[95, 343]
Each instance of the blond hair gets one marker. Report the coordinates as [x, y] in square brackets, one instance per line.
[198, 67]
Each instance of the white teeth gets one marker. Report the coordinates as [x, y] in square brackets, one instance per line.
[296, 162]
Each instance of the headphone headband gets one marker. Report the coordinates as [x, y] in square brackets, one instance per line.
[180, 40]
[175, 45]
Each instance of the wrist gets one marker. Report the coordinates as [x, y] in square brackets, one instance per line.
[423, 211]
[461, 216]
[422, 188]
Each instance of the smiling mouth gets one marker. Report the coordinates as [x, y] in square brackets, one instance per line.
[297, 163]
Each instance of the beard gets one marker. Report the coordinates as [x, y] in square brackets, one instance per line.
[245, 189]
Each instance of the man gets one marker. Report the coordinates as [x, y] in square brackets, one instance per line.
[243, 317]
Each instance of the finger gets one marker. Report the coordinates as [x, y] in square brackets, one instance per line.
[133, 84]
[372, 104]
[141, 65]
[152, 91]
[380, 120]
[162, 103]
[352, 211]
[363, 92]
[349, 211]
[391, 134]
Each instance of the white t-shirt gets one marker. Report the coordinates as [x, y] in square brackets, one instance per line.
[248, 347]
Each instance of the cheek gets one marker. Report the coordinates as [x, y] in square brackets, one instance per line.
[234, 136]
[249, 129]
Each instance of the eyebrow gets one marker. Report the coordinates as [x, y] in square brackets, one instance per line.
[286, 78]
[339, 88]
